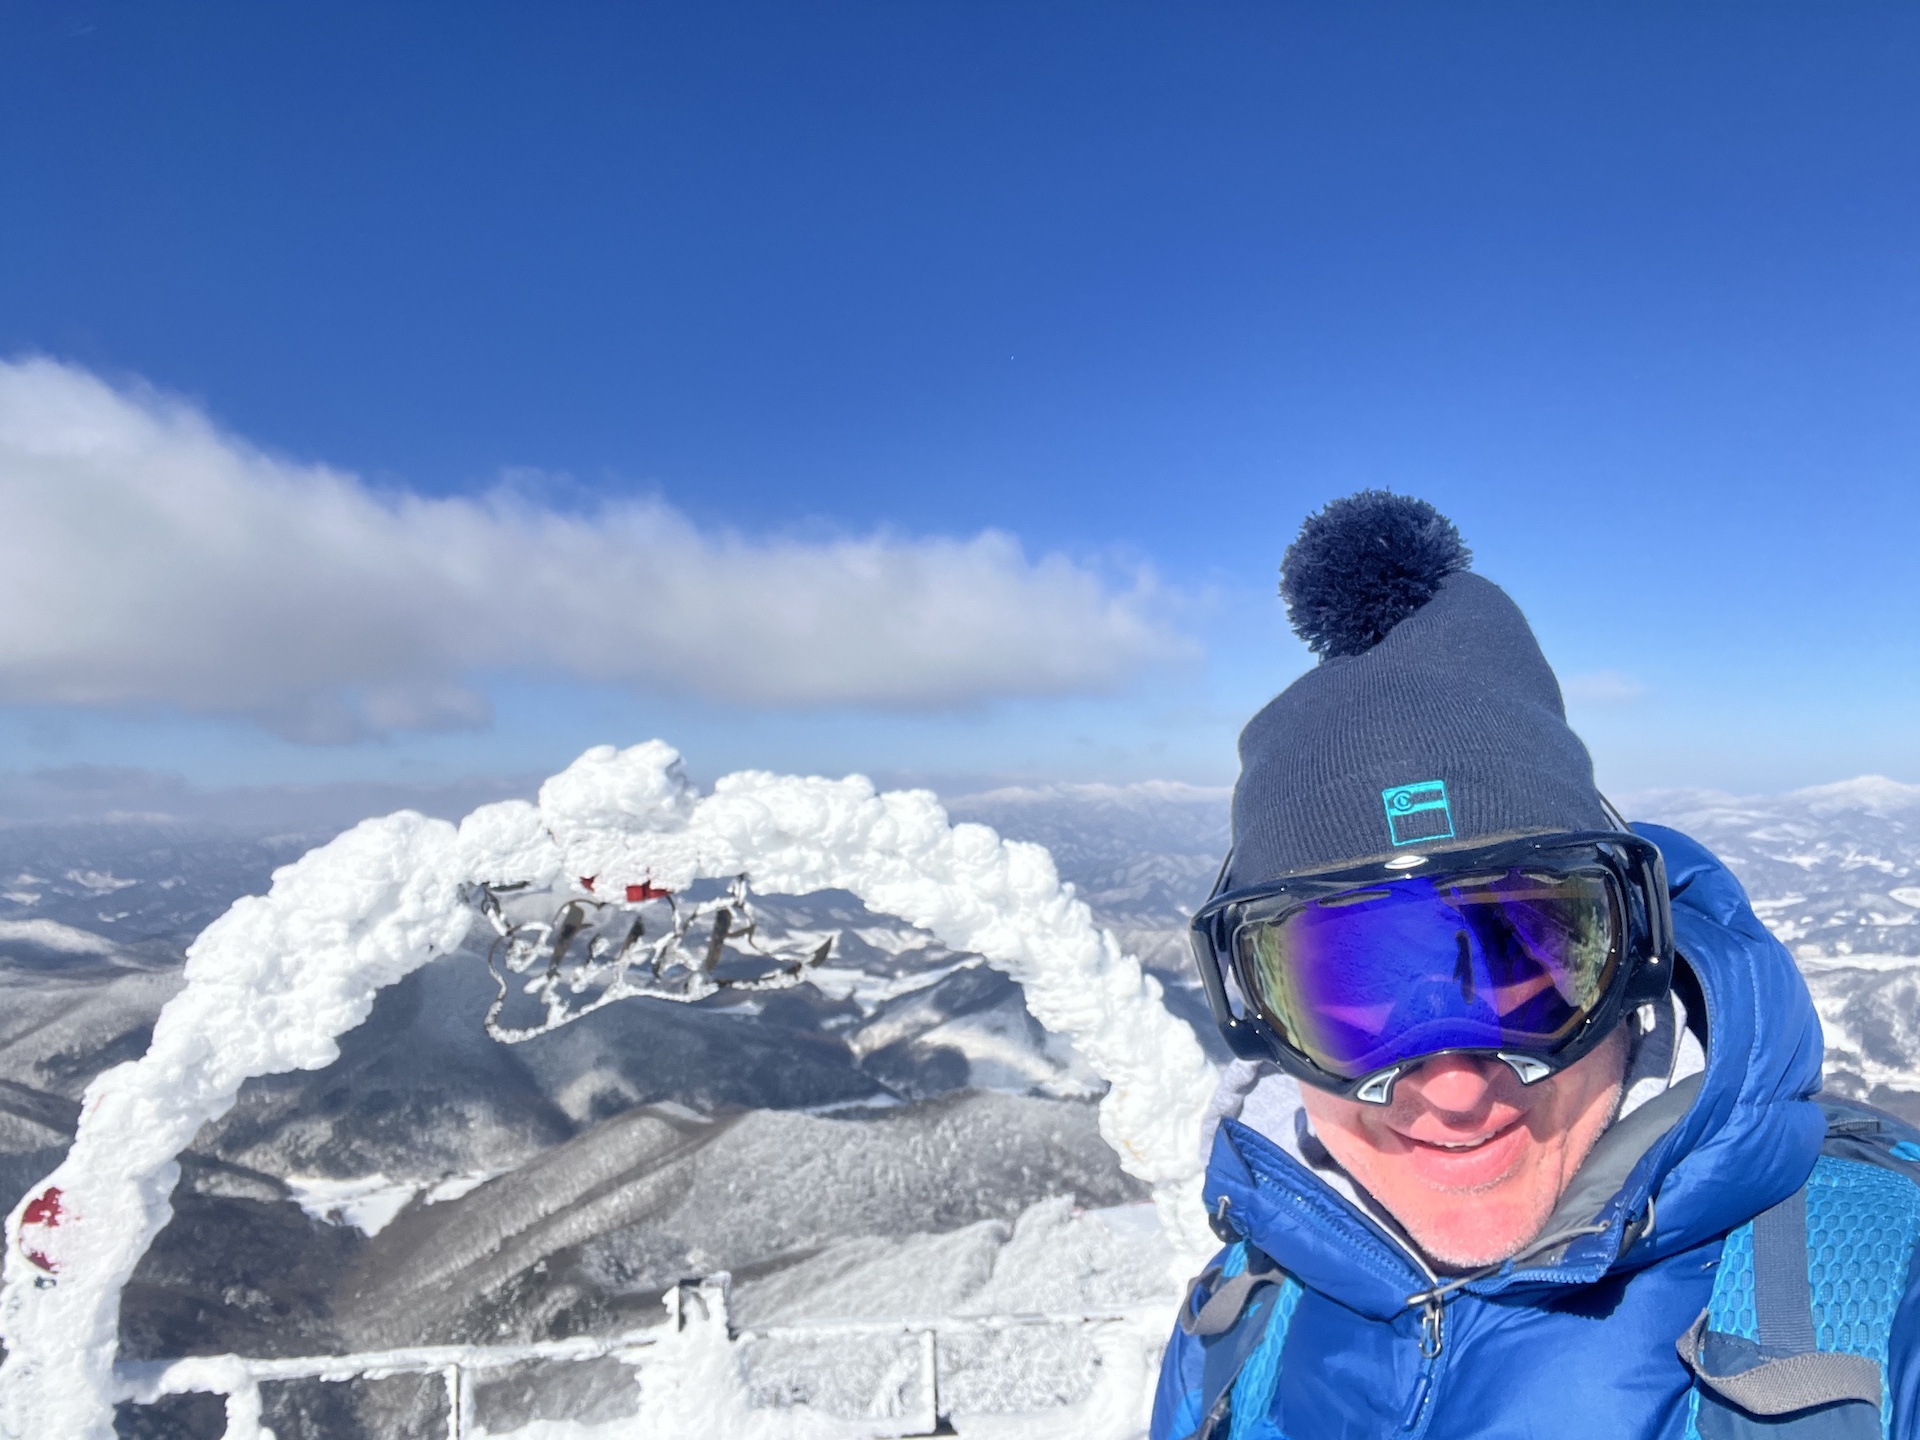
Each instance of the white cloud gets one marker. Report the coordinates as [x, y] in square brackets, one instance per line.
[150, 557]
[1604, 687]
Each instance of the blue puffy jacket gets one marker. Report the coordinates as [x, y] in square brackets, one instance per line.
[1580, 1342]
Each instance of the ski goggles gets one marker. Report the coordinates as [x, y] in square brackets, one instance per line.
[1528, 950]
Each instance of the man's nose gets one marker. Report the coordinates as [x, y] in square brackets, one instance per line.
[1458, 1084]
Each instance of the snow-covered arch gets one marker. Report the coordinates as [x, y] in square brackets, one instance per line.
[273, 982]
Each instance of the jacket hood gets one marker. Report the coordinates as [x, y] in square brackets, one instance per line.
[1719, 1150]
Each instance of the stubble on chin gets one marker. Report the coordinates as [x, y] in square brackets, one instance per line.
[1483, 1224]
[1466, 1226]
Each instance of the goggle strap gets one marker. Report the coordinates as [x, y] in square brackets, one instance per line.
[1220, 880]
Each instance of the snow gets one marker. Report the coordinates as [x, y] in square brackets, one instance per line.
[869, 991]
[1875, 794]
[52, 935]
[269, 986]
[371, 1202]
[99, 882]
[273, 983]
[454, 1186]
[868, 1379]
[368, 1203]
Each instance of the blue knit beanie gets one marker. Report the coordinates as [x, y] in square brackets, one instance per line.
[1431, 720]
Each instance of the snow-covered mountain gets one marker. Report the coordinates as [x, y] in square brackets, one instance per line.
[898, 1137]
[1834, 871]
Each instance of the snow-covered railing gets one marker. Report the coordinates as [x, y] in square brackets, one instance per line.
[239, 1377]
[905, 1405]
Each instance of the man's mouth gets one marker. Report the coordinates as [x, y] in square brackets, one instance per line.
[1474, 1143]
[1468, 1162]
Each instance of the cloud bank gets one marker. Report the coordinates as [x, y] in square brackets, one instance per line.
[152, 558]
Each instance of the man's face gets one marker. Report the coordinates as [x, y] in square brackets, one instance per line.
[1470, 1161]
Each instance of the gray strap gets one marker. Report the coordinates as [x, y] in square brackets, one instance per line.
[1784, 1384]
[1224, 1305]
[1782, 1293]
[1785, 1372]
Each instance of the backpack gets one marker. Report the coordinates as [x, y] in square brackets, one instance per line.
[1794, 1340]
[1792, 1345]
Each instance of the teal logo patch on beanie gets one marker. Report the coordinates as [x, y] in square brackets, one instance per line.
[1418, 812]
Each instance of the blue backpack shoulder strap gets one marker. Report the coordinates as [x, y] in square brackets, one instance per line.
[1239, 1310]
[1795, 1337]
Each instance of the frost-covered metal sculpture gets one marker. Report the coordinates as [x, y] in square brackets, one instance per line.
[273, 983]
[590, 952]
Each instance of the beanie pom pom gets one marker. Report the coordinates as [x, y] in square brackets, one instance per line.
[1362, 565]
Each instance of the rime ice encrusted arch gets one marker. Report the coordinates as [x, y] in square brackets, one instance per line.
[272, 983]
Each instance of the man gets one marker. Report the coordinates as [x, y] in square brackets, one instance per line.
[1522, 1140]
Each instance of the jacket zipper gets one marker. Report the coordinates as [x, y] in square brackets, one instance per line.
[1432, 1302]
[1433, 1320]
[1433, 1343]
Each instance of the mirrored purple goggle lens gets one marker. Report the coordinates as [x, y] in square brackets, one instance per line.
[1374, 976]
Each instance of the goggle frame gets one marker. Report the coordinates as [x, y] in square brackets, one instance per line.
[1644, 974]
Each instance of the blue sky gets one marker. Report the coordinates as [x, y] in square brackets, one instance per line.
[1629, 291]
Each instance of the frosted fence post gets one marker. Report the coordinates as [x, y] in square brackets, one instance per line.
[930, 1368]
[459, 1402]
[243, 1408]
[716, 1299]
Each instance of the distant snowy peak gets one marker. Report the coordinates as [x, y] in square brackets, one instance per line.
[1875, 794]
[1115, 822]
[1834, 870]
[1142, 855]
[52, 935]
[1140, 793]
[1872, 795]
